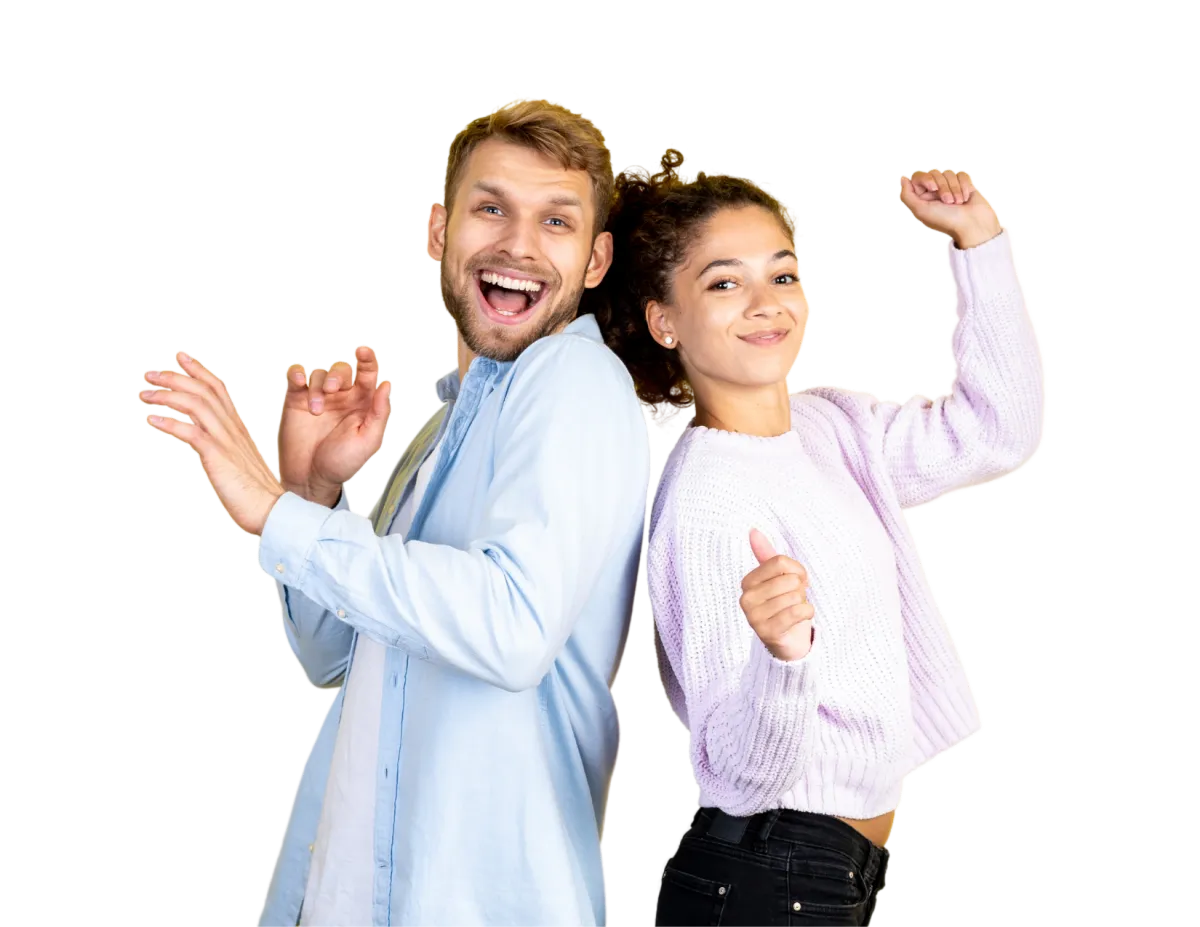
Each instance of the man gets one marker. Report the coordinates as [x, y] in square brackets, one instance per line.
[475, 623]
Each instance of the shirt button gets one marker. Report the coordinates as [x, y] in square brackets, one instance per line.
[341, 613]
[279, 568]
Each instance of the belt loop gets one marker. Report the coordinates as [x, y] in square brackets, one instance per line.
[764, 832]
[879, 867]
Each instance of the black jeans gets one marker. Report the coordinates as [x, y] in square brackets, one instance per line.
[778, 867]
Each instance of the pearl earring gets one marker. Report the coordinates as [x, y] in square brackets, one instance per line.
[669, 340]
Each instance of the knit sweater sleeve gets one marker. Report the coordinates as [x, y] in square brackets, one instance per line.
[752, 717]
[991, 421]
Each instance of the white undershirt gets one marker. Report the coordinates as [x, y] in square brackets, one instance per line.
[341, 880]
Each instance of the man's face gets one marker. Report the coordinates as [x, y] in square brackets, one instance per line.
[517, 248]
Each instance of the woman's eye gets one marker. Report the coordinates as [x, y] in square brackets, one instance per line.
[723, 285]
[787, 278]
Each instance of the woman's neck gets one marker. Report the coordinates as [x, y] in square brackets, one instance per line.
[761, 410]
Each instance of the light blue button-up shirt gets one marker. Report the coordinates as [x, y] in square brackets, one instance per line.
[505, 612]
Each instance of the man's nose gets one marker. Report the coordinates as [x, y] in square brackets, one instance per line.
[520, 240]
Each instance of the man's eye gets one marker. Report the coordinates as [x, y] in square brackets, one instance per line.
[494, 210]
[557, 221]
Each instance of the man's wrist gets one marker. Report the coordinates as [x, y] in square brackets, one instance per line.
[326, 494]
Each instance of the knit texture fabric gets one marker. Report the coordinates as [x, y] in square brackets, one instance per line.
[882, 689]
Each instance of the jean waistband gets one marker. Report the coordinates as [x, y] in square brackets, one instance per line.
[804, 827]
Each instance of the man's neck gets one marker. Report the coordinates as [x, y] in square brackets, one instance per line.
[465, 356]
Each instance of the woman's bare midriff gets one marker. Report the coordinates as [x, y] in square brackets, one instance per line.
[875, 829]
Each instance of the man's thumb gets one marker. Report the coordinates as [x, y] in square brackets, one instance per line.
[761, 546]
[381, 405]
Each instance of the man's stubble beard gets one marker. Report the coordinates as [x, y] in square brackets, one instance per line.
[474, 332]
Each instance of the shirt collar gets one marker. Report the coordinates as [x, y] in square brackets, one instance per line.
[584, 325]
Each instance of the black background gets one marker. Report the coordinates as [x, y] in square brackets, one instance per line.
[293, 247]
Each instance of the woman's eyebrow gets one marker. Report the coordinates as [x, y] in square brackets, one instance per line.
[723, 262]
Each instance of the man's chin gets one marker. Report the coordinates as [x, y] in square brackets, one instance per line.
[504, 340]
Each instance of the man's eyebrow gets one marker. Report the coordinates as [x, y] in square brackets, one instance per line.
[559, 199]
[566, 199]
[734, 262]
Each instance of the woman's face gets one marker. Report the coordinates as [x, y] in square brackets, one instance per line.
[736, 312]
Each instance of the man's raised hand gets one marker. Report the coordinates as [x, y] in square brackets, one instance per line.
[331, 425]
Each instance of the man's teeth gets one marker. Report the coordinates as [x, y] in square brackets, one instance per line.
[510, 283]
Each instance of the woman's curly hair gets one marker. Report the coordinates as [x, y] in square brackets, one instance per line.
[654, 221]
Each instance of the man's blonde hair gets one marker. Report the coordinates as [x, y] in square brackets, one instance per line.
[549, 129]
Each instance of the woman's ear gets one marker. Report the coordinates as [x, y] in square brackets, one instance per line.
[660, 326]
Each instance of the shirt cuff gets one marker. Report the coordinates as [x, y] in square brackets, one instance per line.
[342, 504]
[292, 528]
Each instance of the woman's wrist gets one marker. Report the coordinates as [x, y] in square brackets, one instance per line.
[974, 237]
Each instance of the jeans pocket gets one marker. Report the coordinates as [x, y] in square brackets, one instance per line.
[826, 888]
[686, 900]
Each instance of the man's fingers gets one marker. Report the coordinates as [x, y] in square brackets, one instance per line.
[179, 382]
[316, 387]
[295, 386]
[193, 368]
[173, 428]
[340, 376]
[366, 362]
[198, 408]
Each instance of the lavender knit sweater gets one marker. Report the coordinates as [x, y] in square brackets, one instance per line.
[882, 689]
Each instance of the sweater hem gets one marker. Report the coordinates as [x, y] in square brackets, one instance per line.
[847, 787]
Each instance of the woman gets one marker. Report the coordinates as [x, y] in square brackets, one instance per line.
[796, 636]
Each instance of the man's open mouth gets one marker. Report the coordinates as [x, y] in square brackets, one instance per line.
[508, 298]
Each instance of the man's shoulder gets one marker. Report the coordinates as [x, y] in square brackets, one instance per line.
[575, 357]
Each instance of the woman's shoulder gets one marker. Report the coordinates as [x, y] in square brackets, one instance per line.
[709, 459]
[829, 400]
[832, 411]
[715, 476]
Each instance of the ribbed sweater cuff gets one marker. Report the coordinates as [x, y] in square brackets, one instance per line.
[988, 268]
[778, 682]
